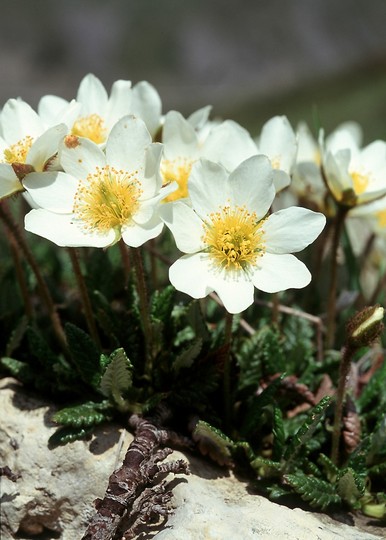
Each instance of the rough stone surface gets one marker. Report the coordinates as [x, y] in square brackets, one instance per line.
[58, 486]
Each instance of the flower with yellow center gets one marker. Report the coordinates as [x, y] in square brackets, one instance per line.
[27, 144]
[354, 175]
[178, 171]
[184, 143]
[102, 196]
[230, 242]
[278, 141]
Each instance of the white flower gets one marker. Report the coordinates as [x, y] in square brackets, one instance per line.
[101, 197]
[278, 141]
[26, 144]
[97, 112]
[226, 143]
[231, 243]
[354, 175]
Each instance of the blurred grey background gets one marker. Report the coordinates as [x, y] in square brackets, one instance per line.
[321, 60]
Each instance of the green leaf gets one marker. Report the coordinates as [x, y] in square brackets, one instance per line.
[350, 486]
[213, 442]
[186, 358]
[317, 492]
[278, 434]
[162, 303]
[16, 336]
[69, 434]
[373, 389]
[266, 467]
[117, 379]
[40, 349]
[329, 468]
[20, 370]
[255, 407]
[84, 415]
[84, 354]
[306, 430]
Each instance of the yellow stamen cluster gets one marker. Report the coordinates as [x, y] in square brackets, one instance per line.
[91, 127]
[360, 182]
[381, 218]
[17, 153]
[177, 170]
[107, 199]
[234, 238]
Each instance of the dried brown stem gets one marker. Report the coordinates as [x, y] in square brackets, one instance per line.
[126, 492]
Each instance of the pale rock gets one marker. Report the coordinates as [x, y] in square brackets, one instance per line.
[58, 486]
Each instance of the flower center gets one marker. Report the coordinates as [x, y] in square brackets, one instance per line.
[91, 127]
[381, 218]
[107, 199]
[360, 182]
[177, 170]
[234, 238]
[17, 153]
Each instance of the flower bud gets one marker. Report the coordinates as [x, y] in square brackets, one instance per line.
[365, 326]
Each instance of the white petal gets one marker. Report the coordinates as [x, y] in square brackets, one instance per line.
[80, 157]
[50, 107]
[278, 142]
[186, 226]
[93, 96]
[280, 272]
[46, 146]
[235, 295]
[229, 144]
[179, 137]
[135, 235]
[52, 191]
[9, 182]
[60, 229]
[292, 229]
[126, 144]
[191, 274]
[252, 185]
[281, 179]
[208, 187]
[147, 105]
[199, 118]
[19, 120]
[120, 101]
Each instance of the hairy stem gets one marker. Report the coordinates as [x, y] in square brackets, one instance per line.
[88, 312]
[144, 310]
[344, 370]
[331, 306]
[227, 372]
[15, 232]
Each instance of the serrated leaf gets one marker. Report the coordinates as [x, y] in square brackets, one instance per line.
[16, 336]
[266, 467]
[278, 434]
[20, 370]
[329, 468]
[162, 303]
[213, 442]
[84, 354]
[306, 430]
[256, 405]
[350, 487]
[39, 348]
[117, 379]
[68, 434]
[186, 358]
[317, 492]
[84, 415]
[373, 389]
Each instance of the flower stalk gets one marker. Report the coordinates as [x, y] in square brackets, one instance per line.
[14, 231]
[85, 298]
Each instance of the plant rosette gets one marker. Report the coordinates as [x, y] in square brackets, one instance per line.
[230, 241]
